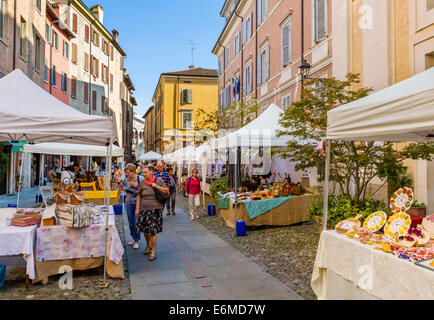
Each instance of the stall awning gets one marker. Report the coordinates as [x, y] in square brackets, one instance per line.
[402, 112]
[69, 149]
[28, 113]
[151, 155]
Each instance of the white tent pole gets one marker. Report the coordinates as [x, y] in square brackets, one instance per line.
[20, 180]
[108, 209]
[328, 144]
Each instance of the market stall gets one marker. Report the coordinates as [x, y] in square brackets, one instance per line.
[364, 259]
[30, 114]
[151, 155]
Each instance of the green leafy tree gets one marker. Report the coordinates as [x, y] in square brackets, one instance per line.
[352, 162]
[4, 160]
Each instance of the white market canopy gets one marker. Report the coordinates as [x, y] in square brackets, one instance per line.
[401, 112]
[151, 155]
[28, 113]
[260, 132]
[69, 149]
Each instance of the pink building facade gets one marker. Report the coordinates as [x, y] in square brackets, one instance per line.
[58, 54]
[259, 49]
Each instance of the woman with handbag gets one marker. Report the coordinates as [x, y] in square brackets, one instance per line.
[192, 192]
[131, 185]
[152, 195]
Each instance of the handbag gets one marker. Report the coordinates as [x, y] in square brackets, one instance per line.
[161, 196]
[188, 188]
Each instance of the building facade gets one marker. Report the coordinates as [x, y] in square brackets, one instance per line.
[177, 99]
[149, 129]
[260, 47]
[397, 38]
[138, 135]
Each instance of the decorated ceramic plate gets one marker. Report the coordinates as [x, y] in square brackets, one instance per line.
[402, 200]
[346, 225]
[397, 224]
[375, 221]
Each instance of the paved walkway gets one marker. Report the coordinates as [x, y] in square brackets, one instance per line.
[27, 199]
[193, 264]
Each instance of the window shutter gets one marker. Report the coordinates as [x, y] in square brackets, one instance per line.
[320, 19]
[259, 69]
[235, 46]
[111, 82]
[190, 95]
[74, 22]
[97, 67]
[245, 81]
[267, 63]
[259, 13]
[73, 87]
[91, 65]
[102, 104]
[243, 32]
[112, 52]
[94, 102]
[264, 9]
[250, 77]
[74, 53]
[86, 92]
[250, 26]
[285, 45]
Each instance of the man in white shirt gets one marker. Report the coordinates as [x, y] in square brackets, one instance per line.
[67, 177]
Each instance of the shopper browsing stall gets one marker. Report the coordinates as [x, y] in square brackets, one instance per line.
[149, 209]
[192, 191]
[131, 185]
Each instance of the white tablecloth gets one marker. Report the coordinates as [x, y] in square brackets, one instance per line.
[378, 273]
[19, 241]
[62, 243]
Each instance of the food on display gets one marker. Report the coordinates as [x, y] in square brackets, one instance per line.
[408, 241]
[402, 200]
[26, 220]
[397, 225]
[375, 221]
[346, 225]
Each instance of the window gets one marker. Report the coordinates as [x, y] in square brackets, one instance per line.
[37, 53]
[320, 19]
[429, 5]
[74, 87]
[46, 71]
[111, 82]
[86, 33]
[112, 52]
[23, 39]
[220, 68]
[236, 44]
[74, 22]
[64, 82]
[3, 18]
[286, 44]
[47, 33]
[94, 102]
[55, 40]
[53, 76]
[86, 61]
[187, 120]
[429, 60]
[187, 96]
[66, 49]
[247, 79]
[247, 31]
[74, 53]
[263, 65]
[262, 11]
[121, 62]
[86, 92]
[38, 5]
[286, 102]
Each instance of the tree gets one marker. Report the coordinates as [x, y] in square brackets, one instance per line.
[4, 160]
[352, 162]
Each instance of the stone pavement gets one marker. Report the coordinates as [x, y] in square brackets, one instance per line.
[27, 199]
[194, 264]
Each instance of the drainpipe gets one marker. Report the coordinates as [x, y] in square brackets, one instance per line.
[224, 66]
[90, 68]
[256, 53]
[302, 42]
[14, 62]
[242, 58]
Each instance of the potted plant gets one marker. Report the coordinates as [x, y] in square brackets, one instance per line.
[417, 209]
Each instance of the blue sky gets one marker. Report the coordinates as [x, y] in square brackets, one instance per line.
[156, 36]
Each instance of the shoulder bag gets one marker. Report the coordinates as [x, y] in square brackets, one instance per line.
[161, 196]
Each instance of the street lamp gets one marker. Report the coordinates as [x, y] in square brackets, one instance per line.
[304, 69]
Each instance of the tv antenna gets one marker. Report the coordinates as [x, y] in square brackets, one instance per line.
[193, 47]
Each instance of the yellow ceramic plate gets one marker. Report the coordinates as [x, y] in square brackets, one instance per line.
[375, 221]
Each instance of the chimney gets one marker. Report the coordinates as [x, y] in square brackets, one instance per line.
[115, 35]
[191, 67]
[98, 12]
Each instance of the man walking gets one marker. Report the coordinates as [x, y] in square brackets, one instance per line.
[161, 173]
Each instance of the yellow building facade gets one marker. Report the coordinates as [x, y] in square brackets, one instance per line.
[386, 42]
[177, 100]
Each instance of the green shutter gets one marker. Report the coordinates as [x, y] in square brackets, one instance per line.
[190, 96]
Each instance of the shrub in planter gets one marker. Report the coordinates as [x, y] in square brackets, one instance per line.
[342, 208]
[219, 185]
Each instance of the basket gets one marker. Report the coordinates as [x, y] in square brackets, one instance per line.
[2, 275]
[62, 197]
[76, 198]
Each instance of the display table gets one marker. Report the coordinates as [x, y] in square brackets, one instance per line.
[294, 210]
[347, 269]
[80, 249]
[16, 242]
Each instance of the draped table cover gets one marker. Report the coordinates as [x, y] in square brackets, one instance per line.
[380, 274]
[16, 241]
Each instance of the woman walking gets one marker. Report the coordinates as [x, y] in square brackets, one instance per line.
[131, 185]
[192, 191]
[149, 210]
[172, 198]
